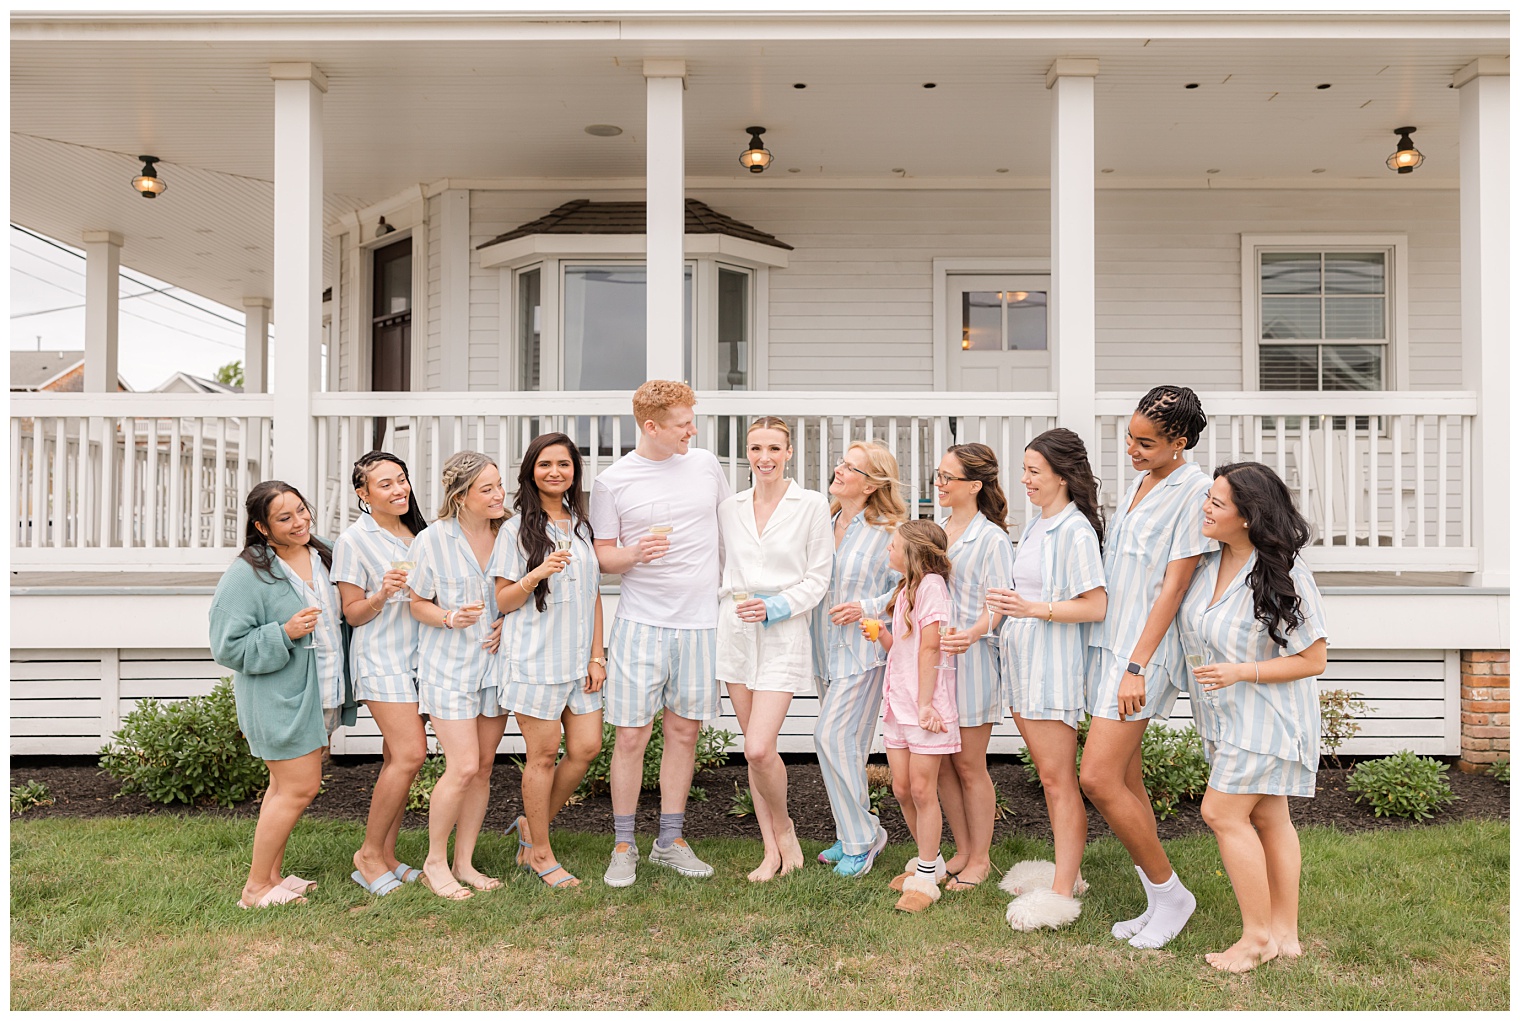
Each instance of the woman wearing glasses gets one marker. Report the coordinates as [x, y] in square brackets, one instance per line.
[776, 561]
[866, 508]
[981, 558]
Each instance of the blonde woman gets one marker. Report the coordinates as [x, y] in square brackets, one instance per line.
[455, 676]
[777, 557]
[866, 508]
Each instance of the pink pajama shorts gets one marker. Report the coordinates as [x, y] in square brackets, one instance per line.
[918, 740]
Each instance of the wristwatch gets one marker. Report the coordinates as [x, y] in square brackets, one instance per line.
[599, 659]
[1136, 669]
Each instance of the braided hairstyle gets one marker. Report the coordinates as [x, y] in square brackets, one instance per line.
[1278, 531]
[459, 473]
[412, 519]
[1177, 411]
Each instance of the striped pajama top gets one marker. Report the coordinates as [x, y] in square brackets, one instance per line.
[860, 574]
[1279, 719]
[981, 558]
[385, 646]
[554, 646]
[446, 570]
[327, 639]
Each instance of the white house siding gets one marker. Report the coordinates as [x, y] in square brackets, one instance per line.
[853, 311]
[345, 326]
[431, 331]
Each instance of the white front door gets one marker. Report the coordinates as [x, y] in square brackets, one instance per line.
[997, 332]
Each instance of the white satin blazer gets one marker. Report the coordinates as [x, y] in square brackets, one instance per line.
[791, 559]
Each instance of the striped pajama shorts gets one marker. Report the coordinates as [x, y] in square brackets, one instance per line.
[1234, 770]
[1105, 671]
[447, 704]
[549, 701]
[386, 689]
[649, 667]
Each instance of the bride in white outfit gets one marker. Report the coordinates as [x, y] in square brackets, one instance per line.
[778, 551]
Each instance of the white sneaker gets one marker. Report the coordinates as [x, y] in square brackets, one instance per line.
[622, 870]
[682, 858]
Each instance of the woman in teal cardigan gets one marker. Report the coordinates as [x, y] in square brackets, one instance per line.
[269, 627]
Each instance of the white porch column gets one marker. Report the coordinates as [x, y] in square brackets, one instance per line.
[454, 288]
[256, 345]
[294, 375]
[665, 209]
[1484, 89]
[102, 301]
[1073, 320]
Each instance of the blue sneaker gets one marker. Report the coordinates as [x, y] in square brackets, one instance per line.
[832, 854]
[859, 864]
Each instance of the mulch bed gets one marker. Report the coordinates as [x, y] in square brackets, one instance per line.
[80, 790]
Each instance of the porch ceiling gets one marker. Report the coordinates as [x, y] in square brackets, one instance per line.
[402, 112]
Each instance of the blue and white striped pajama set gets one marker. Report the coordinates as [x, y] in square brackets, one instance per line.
[327, 638]
[1165, 526]
[981, 558]
[1045, 663]
[544, 656]
[384, 648]
[850, 672]
[456, 679]
[1261, 737]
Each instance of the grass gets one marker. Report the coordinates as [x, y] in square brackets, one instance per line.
[138, 913]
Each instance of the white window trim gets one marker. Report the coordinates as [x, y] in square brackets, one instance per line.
[943, 268]
[1397, 247]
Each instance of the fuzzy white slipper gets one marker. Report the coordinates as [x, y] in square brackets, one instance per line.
[1042, 909]
[1034, 875]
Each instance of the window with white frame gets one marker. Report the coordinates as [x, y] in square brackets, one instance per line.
[1325, 313]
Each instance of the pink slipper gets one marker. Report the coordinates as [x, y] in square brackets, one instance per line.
[276, 895]
[298, 885]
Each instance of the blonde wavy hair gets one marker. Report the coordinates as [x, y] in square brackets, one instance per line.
[459, 473]
[884, 505]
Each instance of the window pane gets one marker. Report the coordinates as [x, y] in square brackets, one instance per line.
[1290, 318]
[1353, 367]
[1290, 368]
[1354, 273]
[604, 327]
[982, 321]
[1290, 273]
[1354, 318]
[733, 330]
[1026, 321]
[529, 330]
[393, 279]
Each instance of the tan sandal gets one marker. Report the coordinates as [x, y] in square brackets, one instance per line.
[452, 891]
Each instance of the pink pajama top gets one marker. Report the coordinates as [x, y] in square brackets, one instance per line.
[931, 604]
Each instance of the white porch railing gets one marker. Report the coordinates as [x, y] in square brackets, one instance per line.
[133, 481]
[1385, 478]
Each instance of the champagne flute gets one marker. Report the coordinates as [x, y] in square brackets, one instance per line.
[400, 596]
[741, 592]
[1195, 652]
[659, 518]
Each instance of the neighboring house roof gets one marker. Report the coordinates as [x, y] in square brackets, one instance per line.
[582, 216]
[51, 371]
[185, 383]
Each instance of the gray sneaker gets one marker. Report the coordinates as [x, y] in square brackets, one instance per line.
[682, 858]
[622, 870]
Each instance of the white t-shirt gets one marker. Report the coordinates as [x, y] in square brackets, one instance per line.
[680, 590]
[1028, 580]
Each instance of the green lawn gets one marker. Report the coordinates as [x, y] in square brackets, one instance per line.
[139, 914]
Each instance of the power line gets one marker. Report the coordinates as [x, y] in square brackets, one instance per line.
[68, 308]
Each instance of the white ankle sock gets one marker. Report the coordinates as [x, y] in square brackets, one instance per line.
[1171, 909]
[1133, 926]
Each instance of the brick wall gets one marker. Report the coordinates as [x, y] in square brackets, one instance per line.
[1485, 708]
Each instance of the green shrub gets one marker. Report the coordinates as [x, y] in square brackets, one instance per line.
[744, 802]
[420, 796]
[1500, 770]
[190, 751]
[1339, 712]
[1172, 765]
[1406, 785]
[712, 751]
[878, 786]
[29, 796]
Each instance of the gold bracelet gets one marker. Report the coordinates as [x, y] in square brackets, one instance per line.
[1257, 665]
[1050, 618]
[524, 587]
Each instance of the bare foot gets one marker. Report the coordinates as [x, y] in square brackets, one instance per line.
[559, 879]
[791, 851]
[971, 875]
[955, 863]
[1244, 955]
[472, 876]
[437, 877]
[766, 870]
[1288, 945]
[370, 868]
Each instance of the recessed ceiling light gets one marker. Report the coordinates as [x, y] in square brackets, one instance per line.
[1002, 170]
[1323, 85]
[930, 85]
[1191, 85]
[603, 130]
[1317, 170]
[1214, 170]
[800, 85]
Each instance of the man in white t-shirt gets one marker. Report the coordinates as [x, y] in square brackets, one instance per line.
[655, 515]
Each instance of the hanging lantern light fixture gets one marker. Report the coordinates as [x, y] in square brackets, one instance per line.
[1407, 157]
[757, 157]
[148, 182]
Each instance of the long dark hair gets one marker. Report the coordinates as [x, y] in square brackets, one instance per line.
[256, 549]
[1278, 531]
[1177, 411]
[1067, 456]
[413, 518]
[533, 532]
[981, 465]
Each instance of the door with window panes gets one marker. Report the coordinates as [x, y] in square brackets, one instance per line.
[997, 333]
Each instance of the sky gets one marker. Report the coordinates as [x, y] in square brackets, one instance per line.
[159, 334]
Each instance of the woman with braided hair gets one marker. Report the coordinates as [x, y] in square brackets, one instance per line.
[1136, 667]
